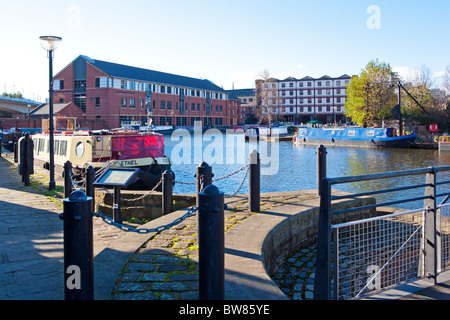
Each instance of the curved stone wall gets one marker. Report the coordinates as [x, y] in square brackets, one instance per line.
[257, 246]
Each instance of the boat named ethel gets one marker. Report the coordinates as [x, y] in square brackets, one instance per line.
[354, 137]
[102, 149]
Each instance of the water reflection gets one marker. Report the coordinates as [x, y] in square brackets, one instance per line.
[297, 166]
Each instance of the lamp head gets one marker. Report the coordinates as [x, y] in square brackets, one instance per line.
[50, 43]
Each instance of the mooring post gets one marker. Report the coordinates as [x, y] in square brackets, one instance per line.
[167, 197]
[204, 177]
[254, 197]
[90, 189]
[321, 166]
[117, 215]
[78, 247]
[68, 186]
[211, 244]
[323, 255]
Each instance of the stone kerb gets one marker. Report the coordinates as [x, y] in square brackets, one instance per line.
[256, 247]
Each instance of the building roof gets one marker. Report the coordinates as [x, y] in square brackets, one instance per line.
[134, 73]
[44, 109]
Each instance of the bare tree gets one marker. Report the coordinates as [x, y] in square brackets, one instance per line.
[267, 97]
[424, 76]
[446, 80]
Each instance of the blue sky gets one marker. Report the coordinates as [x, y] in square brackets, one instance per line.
[228, 42]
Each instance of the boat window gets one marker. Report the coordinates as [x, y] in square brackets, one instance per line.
[56, 147]
[370, 133]
[63, 148]
[41, 145]
[79, 149]
[351, 133]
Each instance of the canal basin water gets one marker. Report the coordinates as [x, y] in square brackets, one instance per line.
[291, 167]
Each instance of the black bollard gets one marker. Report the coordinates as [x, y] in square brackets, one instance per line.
[167, 203]
[210, 237]
[321, 166]
[67, 179]
[117, 214]
[204, 177]
[25, 158]
[254, 198]
[78, 247]
[90, 189]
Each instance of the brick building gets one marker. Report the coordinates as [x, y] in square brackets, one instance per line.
[302, 100]
[108, 93]
[247, 98]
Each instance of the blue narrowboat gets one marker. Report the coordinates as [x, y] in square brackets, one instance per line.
[354, 137]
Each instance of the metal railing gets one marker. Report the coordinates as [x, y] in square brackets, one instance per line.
[361, 257]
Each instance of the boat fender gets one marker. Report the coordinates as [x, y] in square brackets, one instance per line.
[372, 141]
[293, 139]
[332, 140]
[304, 139]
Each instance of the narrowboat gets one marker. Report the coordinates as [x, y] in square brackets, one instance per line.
[353, 137]
[258, 131]
[136, 125]
[102, 149]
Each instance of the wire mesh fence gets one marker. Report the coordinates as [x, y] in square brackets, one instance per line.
[374, 254]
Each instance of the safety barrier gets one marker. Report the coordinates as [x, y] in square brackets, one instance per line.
[361, 257]
[79, 208]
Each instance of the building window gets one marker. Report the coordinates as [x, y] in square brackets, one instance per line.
[169, 105]
[79, 86]
[123, 84]
[97, 82]
[80, 101]
[123, 102]
[97, 102]
[163, 105]
[132, 85]
[132, 103]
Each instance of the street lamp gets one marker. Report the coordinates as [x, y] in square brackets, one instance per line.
[50, 43]
[29, 111]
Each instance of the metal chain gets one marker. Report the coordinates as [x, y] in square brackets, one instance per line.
[240, 186]
[232, 173]
[144, 195]
[74, 184]
[128, 228]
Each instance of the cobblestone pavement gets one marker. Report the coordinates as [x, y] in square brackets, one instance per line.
[166, 266]
[296, 276]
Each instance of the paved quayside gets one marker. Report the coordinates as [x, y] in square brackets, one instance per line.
[163, 265]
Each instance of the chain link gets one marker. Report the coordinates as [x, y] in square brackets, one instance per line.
[240, 186]
[144, 195]
[232, 173]
[158, 229]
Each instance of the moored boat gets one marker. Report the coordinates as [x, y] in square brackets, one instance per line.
[257, 132]
[354, 137]
[102, 149]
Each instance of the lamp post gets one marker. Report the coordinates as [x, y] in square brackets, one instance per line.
[50, 43]
[29, 111]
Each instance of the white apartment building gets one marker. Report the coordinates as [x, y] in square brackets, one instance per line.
[303, 100]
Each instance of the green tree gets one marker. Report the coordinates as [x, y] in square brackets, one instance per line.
[371, 95]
